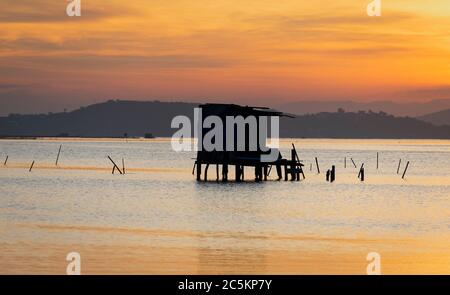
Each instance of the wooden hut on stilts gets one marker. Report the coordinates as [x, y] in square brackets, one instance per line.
[241, 158]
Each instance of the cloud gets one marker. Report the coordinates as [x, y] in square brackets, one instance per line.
[104, 62]
[341, 27]
[330, 21]
[28, 44]
[218, 48]
[47, 11]
[334, 34]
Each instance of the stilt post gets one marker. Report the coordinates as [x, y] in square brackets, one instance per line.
[206, 172]
[199, 170]
[217, 172]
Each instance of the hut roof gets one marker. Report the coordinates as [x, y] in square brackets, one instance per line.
[221, 109]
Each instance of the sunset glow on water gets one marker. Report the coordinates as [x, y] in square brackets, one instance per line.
[157, 219]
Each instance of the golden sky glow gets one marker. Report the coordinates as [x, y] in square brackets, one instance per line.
[243, 51]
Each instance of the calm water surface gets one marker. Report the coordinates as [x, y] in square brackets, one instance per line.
[157, 219]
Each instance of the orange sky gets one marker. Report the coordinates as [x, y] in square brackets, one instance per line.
[242, 51]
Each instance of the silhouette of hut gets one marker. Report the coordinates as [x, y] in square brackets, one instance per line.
[252, 147]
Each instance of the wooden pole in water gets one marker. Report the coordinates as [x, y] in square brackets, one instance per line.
[345, 162]
[206, 172]
[57, 157]
[406, 168]
[293, 165]
[377, 160]
[266, 172]
[31, 167]
[295, 153]
[6, 160]
[269, 169]
[285, 172]
[123, 166]
[317, 165]
[353, 162]
[238, 172]
[333, 173]
[199, 170]
[217, 172]
[115, 166]
[361, 171]
[193, 168]
[310, 166]
[225, 172]
[398, 168]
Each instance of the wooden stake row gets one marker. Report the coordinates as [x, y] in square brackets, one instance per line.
[115, 166]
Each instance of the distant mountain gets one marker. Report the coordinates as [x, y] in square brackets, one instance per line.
[113, 118]
[360, 125]
[398, 109]
[438, 118]
[136, 118]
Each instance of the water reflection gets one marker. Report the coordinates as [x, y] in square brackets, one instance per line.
[158, 219]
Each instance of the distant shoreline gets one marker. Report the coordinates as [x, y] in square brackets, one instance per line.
[164, 138]
[68, 138]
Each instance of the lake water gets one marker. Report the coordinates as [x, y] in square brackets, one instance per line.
[156, 219]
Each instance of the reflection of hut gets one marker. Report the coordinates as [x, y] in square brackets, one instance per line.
[248, 155]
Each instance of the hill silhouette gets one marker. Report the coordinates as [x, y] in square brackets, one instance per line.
[136, 118]
[412, 109]
[437, 118]
[361, 125]
[113, 118]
